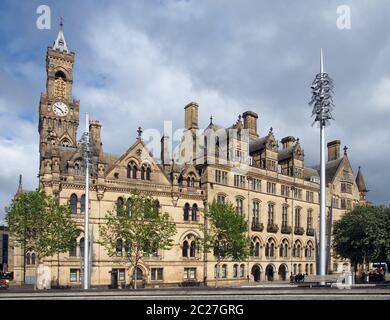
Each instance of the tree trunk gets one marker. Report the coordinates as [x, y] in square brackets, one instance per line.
[58, 270]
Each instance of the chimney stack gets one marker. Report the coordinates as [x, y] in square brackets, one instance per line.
[333, 150]
[191, 116]
[288, 141]
[250, 123]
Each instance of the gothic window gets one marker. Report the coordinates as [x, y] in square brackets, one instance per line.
[256, 212]
[77, 169]
[142, 173]
[28, 258]
[186, 212]
[65, 143]
[284, 216]
[82, 247]
[194, 212]
[242, 270]
[119, 245]
[127, 248]
[73, 204]
[309, 249]
[271, 208]
[221, 198]
[224, 271]
[297, 249]
[148, 173]
[82, 203]
[270, 248]
[119, 205]
[72, 248]
[131, 171]
[192, 249]
[297, 217]
[283, 250]
[33, 259]
[185, 249]
[310, 219]
[240, 206]
[235, 271]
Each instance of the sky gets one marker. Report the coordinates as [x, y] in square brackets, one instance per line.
[138, 63]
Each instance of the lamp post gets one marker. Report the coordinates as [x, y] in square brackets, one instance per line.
[86, 151]
[322, 89]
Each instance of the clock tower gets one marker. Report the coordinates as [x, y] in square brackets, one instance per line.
[58, 112]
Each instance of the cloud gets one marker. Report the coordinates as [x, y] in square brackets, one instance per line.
[139, 63]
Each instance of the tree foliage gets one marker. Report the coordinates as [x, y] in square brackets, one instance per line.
[40, 224]
[140, 227]
[363, 235]
[225, 233]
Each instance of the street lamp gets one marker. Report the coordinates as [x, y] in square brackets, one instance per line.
[87, 148]
[322, 90]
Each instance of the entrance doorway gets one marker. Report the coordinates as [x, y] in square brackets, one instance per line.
[269, 272]
[282, 272]
[256, 272]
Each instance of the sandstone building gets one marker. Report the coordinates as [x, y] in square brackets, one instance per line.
[265, 179]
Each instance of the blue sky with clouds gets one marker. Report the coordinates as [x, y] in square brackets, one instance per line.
[140, 62]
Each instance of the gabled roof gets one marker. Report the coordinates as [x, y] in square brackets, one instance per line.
[360, 181]
[285, 153]
[331, 168]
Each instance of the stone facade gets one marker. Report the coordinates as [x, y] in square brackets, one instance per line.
[266, 180]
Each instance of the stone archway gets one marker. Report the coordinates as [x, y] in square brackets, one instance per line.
[269, 272]
[283, 272]
[256, 272]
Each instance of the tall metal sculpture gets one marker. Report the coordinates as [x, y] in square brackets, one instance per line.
[322, 101]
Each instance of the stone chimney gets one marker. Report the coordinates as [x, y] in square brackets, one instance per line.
[333, 150]
[191, 116]
[250, 123]
[288, 141]
[94, 133]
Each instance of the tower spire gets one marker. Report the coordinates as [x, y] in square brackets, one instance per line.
[321, 62]
[60, 43]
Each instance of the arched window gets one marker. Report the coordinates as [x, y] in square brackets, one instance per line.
[256, 212]
[128, 206]
[127, 248]
[192, 249]
[297, 249]
[283, 250]
[73, 204]
[221, 198]
[240, 206]
[186, 212]
[130, 171]
[306, 268]
[242, 270]
[72, 248]
[308, 249]
[77, 169]
[310, 219]
[270, 248]
[82, 247]
[28, 258]
[297, 217]
[224, 271]
[119, 246]
[143, 170]
[284, 216]
[194, 212]
[33, 259]
[82, 203]
[216, 271]
[257, 249]
[60, 74]
[185, 249]
[148, 173]
[119, 205]
[235, 271]
[311, 268]
[271, 208]
[137, 274]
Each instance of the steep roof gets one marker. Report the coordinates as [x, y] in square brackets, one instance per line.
[331, 168]
[285, 153]
[360, 181]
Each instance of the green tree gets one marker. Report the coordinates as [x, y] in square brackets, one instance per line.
[360, 235]
[39, 223]
[225, 233]
[140, 227]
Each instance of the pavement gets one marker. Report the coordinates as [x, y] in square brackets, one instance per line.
[253, 292]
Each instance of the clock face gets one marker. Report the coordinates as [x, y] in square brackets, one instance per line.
[60, 109]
